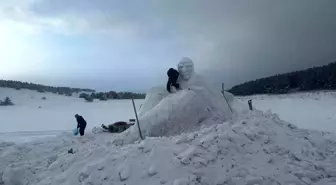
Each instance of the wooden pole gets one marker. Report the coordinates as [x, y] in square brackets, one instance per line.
[225, 98]
[250, 104]
[136, 116]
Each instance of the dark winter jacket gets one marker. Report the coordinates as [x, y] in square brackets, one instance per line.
[173, 75]
[81, 123]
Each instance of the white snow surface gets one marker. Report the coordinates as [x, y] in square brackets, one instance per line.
[311, 110]
[31, 113]
[248, 148]
[252, 147]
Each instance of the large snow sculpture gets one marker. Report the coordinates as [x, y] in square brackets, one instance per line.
[164, 114]
[188, 78]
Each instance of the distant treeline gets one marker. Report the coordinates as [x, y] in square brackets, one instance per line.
[316, 78]
[42, 88]
[111, 95]
[67, 91]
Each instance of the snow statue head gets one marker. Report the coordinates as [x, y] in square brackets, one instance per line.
[186, 68]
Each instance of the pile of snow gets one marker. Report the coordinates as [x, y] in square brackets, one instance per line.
[177, 113]
[251, 148]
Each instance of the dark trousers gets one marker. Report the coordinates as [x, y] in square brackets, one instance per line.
[82, 130]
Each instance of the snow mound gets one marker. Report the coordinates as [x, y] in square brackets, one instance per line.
[180, 112]
[251, 148]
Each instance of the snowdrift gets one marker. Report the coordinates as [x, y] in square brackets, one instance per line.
[251, 148]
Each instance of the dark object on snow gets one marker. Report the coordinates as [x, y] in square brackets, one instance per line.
[173, 75]
[292, 126]
[81, 124]
[132, 121]
[6, 102]
[250, 104]
[116, 127]
[70, 151]
[89, 99]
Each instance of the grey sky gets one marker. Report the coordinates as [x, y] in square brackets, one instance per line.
[120, 42]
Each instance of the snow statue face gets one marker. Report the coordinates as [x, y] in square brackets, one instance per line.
[186, 68]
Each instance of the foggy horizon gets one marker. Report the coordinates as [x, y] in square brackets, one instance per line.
[82, 83]
[120, 46]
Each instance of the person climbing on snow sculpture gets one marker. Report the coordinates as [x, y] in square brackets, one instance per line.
[172, 85]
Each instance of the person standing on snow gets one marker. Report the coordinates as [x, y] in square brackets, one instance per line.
[173, 75]
[81, 124]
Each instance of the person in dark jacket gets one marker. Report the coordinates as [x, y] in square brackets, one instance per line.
[173, 75]
[81, 124]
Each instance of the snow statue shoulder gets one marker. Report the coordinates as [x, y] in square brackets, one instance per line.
[166, 114]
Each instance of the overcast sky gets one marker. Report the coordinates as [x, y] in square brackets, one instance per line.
[130, 44]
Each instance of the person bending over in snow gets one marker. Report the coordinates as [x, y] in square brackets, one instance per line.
[173, 75]
[81, 124]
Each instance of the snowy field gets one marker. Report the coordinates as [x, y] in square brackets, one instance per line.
[253, 147]
[56, 114]
[311, 110]
[31, 115]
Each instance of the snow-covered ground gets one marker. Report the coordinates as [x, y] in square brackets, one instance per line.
[253, 147]
[311, 110]
[31, 113]
[23, 137]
